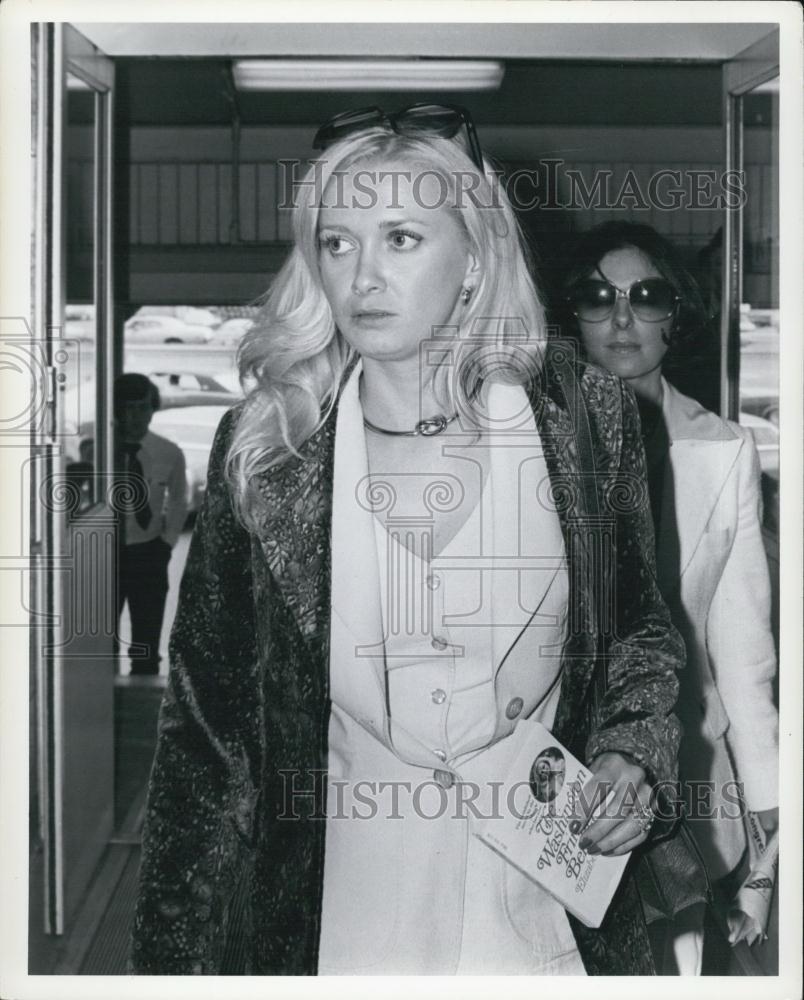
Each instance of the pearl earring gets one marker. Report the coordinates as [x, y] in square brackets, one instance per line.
[466, 294]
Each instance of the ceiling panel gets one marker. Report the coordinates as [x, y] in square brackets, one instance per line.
[193, 91]
[664, 39]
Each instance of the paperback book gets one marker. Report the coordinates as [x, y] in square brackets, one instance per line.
[533, 832]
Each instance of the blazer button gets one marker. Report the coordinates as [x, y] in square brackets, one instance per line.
[444, 778]
[439, 696]
[515, 706]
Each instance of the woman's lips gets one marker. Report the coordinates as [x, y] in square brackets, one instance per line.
[623, 348]
[372, 316]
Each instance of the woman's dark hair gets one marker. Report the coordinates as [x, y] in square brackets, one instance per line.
[691, 333]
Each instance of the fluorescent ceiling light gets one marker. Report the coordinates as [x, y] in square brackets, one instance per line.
[76, 83]
[768, 87]
[367, 74]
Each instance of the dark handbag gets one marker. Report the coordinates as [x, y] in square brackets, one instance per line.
[671, 874]
[669, 869]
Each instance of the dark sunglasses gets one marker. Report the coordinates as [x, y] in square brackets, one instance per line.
[445, 120]
[651, 299]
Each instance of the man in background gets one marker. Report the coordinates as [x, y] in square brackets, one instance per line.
[153, 468]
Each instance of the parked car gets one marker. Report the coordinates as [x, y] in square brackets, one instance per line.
[178, 389]
[231, 330]
[766, 438]
[192, 428]
[192, 406]
[193, 315]
[231, 380]
[165, 330]
[764, 403]
[79, 322]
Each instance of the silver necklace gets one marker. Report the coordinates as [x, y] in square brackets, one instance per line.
[425, 428]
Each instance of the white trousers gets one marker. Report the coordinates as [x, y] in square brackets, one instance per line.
[683, 950]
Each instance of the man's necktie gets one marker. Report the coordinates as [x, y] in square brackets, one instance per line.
[143, 515]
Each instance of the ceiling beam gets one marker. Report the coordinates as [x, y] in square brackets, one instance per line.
[635, 41]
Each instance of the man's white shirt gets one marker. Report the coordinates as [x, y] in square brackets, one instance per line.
[163, 467]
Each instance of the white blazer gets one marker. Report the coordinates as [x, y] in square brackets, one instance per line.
[381, 877]
[713, 573]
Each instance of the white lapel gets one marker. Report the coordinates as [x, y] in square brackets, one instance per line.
[524, 528]
[357, 660]
[702, 452]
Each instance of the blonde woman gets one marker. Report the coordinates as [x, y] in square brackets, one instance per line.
[384, 581]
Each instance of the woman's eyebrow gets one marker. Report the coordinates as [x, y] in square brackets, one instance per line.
[333, 225]
[403, 221]
[384, 224]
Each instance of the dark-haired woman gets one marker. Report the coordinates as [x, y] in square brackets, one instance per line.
[638, 310]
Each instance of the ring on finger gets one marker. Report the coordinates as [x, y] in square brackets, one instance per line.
[644, 816]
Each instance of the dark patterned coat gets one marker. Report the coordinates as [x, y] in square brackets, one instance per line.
[246, 710]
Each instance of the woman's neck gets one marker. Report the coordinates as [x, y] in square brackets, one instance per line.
[648, 388]
[649, 396]
[394, 395]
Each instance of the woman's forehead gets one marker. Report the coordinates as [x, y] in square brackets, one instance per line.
[627, 264]
[387, 187]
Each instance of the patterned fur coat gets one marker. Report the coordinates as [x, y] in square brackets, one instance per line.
[247, 698]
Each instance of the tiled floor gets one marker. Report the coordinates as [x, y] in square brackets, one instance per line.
[97, 939]
[136, 708]
[108, 951]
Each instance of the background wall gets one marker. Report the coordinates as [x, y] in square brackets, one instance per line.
[198, 216]
[186, 244]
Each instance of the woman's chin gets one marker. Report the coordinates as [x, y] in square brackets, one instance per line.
[380, 346]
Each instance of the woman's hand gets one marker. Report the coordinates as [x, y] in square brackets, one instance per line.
[625, 819]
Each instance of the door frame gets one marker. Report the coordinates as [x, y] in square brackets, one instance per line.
[754, 65]
[60, 536]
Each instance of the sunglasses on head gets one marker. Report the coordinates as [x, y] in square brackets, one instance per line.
[651, 299]
[445, 120]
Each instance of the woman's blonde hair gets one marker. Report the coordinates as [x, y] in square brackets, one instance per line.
[295, 359]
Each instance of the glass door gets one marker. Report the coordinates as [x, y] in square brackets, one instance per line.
[750, 279]
[750, 326]
[750, 329]
[758, 371]
[73, 534]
